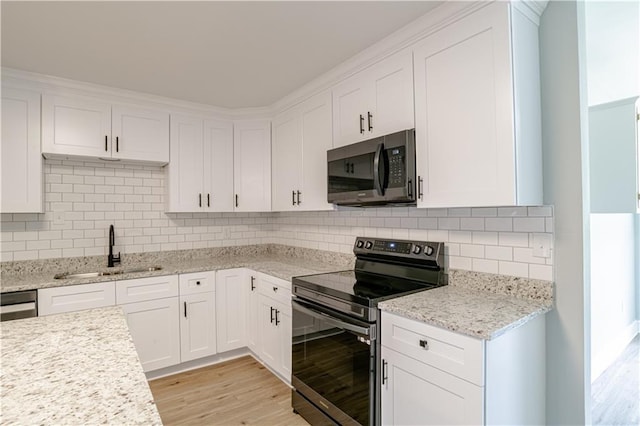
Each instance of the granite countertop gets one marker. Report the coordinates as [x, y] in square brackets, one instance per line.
[476, 304]
[467, 306]
[76, 368]
[276, 265]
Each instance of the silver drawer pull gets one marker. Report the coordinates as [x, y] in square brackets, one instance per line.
[424, 344]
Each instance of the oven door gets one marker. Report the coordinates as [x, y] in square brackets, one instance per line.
[334, 360]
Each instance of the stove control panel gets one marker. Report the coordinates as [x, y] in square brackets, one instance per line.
[398, 248]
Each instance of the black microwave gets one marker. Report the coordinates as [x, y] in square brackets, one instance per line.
[373, 172]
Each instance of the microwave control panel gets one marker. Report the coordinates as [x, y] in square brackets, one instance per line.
[397, 168]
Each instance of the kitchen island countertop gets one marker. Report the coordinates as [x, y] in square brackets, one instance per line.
[75, 368]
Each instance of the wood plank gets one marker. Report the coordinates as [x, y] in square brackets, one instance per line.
[240, 391]
[616, 393]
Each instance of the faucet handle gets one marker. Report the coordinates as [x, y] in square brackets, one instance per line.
[116, 259]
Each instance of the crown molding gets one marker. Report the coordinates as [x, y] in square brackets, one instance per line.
[53, 84]
[436, 19]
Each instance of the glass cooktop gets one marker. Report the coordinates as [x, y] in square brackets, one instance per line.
[361, 287]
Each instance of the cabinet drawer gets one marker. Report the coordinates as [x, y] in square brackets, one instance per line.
[197, 282]
[75, 298]
[141, 289]
[275, 288]
[453, 353]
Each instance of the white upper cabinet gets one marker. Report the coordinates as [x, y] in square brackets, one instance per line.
[374, 102]
[74, 126]
[252, 165]
[218, 165]
[477, 107]
[184, 174]
[200, 174]
[140, 134]
[21, 173]
[301, 137]
[614, 157]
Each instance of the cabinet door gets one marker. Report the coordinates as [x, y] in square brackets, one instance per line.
[390, 107]
[218, 166]
[75, 126]
[184, 189]
[231, 309]
[155, 331]
[252, 312]
[316, 140]
[197, 326]
[139, 134]
[21, 172]
[464, 112]
[74, 298]
[252, 165]
[286, 160]
[350, 99]
[284, 333]
[269, 333]
[414, 393]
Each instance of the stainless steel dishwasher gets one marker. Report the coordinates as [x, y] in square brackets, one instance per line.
[18, 305]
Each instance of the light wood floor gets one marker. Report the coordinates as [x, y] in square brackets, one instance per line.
[616, 393]
[237, 392]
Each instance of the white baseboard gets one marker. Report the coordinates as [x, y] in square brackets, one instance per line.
[604, 357]
[198, 363]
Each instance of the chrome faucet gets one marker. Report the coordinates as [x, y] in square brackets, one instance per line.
[112, 260]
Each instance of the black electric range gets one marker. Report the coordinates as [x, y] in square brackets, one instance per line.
[335, 343]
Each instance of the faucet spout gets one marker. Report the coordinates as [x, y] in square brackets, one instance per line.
[112, 259]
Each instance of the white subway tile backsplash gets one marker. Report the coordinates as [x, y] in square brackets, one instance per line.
[93, 195]
[541, 272]
[484, 265]
[498, 252]
[513, 239]
[514, 269]
[528, 224]
[498, 224]
[472, 224]
[485, 238]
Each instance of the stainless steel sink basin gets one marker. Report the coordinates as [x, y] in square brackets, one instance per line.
[66, 275]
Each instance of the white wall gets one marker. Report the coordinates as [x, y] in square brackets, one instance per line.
[566, 187]
[613, 73]
[91, 195]
[613, 50]
[613, 292]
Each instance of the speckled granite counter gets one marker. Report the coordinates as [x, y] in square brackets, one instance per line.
[479, 305]
[281, 262]
[77, 368]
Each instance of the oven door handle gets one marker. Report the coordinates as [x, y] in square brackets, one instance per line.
[365, 331]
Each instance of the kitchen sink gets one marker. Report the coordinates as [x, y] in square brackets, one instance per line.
[66, 275]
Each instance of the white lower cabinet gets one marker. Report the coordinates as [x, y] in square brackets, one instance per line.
[154, 327]
[197, 315]
[151, 308]
[73, 298]
[231, 309]
[406, 382]
[433, 376]
[252, 311]
[274, 324]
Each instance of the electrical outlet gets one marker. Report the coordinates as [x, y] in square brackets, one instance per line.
[542, 245]
[58, 218]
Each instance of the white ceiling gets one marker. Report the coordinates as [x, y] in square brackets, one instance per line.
[228, 54]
